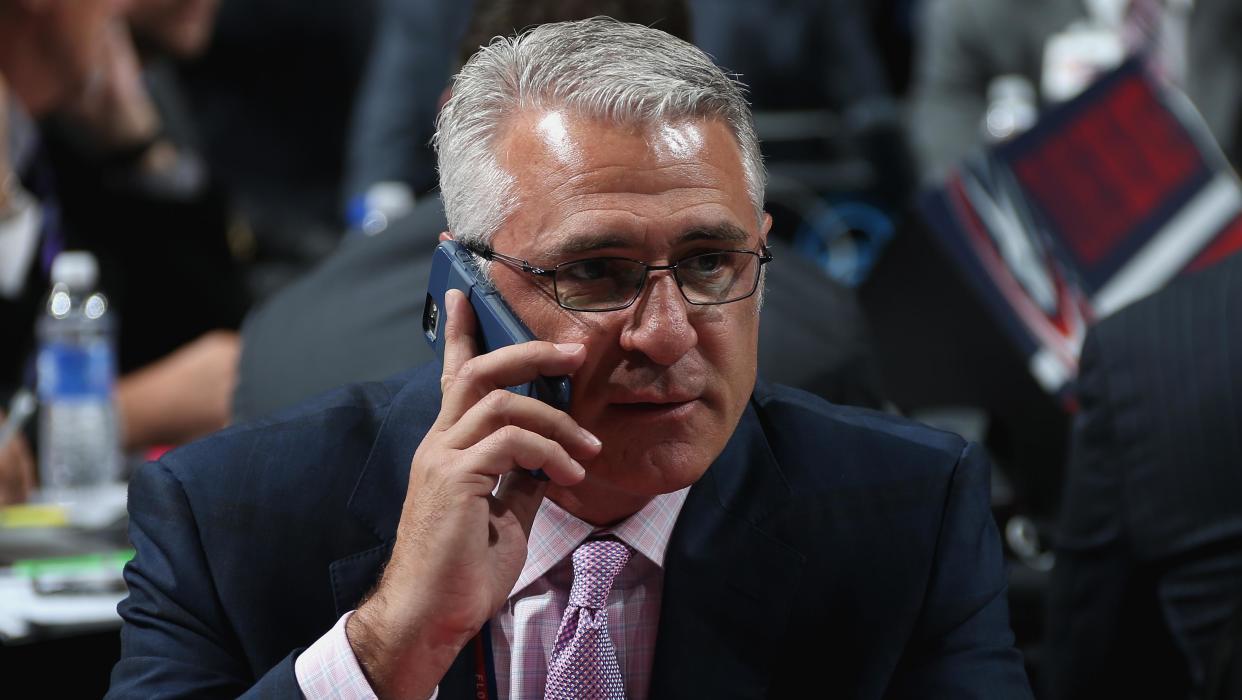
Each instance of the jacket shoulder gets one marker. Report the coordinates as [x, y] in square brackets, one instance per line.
[819, 442]
[325, 438]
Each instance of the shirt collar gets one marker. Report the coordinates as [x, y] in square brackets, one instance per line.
[555, 534]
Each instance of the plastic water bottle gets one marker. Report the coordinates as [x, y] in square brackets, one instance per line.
[374, 211]
[79, 446]
[1011, 108]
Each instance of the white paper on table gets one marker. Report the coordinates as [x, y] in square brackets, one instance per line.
[21, 609]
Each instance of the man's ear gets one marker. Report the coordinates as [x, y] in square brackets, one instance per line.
[764, 227]
[445, 236]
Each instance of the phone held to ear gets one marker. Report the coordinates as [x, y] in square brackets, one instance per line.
[454, 267]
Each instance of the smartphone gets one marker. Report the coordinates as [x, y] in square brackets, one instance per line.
[454, 267]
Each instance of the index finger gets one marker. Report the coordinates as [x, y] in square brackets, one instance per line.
[460, 343]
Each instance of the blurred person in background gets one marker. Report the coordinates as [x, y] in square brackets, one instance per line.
[181, 28]
[56, 56]
[134, 188]
[1149, 544]
[1058, 47]
[19, 237]
[1055, 49]
[803, 55]
[415, 52]
[48, 56]
[818, 57]
[272, 96]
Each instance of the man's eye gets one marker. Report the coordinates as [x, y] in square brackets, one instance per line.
[586, 271]
[704, 264]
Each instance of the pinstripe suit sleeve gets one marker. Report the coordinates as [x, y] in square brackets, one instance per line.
[1093, 560]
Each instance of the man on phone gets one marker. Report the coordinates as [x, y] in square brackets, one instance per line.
[701, 535]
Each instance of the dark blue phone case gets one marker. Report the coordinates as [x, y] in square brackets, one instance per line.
[454, 267]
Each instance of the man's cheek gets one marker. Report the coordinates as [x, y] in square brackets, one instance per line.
[727, 345]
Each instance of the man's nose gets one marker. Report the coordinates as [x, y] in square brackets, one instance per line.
[660, 325]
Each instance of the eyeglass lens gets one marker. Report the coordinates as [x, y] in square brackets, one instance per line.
[707, 278]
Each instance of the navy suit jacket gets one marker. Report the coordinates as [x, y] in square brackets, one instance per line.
[827, 551]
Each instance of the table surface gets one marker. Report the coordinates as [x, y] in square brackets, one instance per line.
[43, 530]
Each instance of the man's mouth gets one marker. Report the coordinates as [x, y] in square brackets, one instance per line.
[655, 396]
[669, 407]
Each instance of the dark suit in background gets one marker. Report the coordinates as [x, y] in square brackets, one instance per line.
[160, 238]
[273, 97]
[411, 62]
[357, 317]
[1149, 554]
[828, 551]
[793, 55]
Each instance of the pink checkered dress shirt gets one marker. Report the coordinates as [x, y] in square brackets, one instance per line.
[524, 630]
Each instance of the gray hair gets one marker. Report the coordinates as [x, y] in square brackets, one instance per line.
[599, 67]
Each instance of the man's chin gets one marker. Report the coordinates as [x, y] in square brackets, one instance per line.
[639, 427]
[653, 469]
[654, 448]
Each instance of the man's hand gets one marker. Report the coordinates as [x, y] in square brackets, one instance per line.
[17, 469]
[459, 550]
[117, 111]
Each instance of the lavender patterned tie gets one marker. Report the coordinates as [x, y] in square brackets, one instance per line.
[584, 661]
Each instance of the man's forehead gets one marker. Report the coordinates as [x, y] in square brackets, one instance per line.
[629, 231]
[568, 244]
[584, 183]
[564, 137]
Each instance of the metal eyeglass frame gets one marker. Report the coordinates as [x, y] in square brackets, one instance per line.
[765, 257]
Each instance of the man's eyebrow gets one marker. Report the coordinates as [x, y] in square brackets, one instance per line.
[588, 244]
[726, 232]
[730, 233]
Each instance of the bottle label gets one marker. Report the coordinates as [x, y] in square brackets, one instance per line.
[76, 371]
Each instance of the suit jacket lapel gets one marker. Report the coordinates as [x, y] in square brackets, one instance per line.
[728, 583]
[380, 491]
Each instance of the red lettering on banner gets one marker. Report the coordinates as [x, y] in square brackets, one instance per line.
[1128, 148]
[1182, 154]
[1170, 153]
[1115, 217]
[1110, 171]
[1033, 172]
[1125, 185]
[1053, 176]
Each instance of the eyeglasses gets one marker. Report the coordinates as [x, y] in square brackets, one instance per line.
[609, 284]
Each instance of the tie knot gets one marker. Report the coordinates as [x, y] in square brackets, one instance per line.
[596, 565]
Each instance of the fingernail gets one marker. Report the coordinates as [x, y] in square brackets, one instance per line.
[578, 466]
[589, 437]
[569, 348]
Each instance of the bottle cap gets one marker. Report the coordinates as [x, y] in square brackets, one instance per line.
[384, 202]
[1011, 87]
[76, 269]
